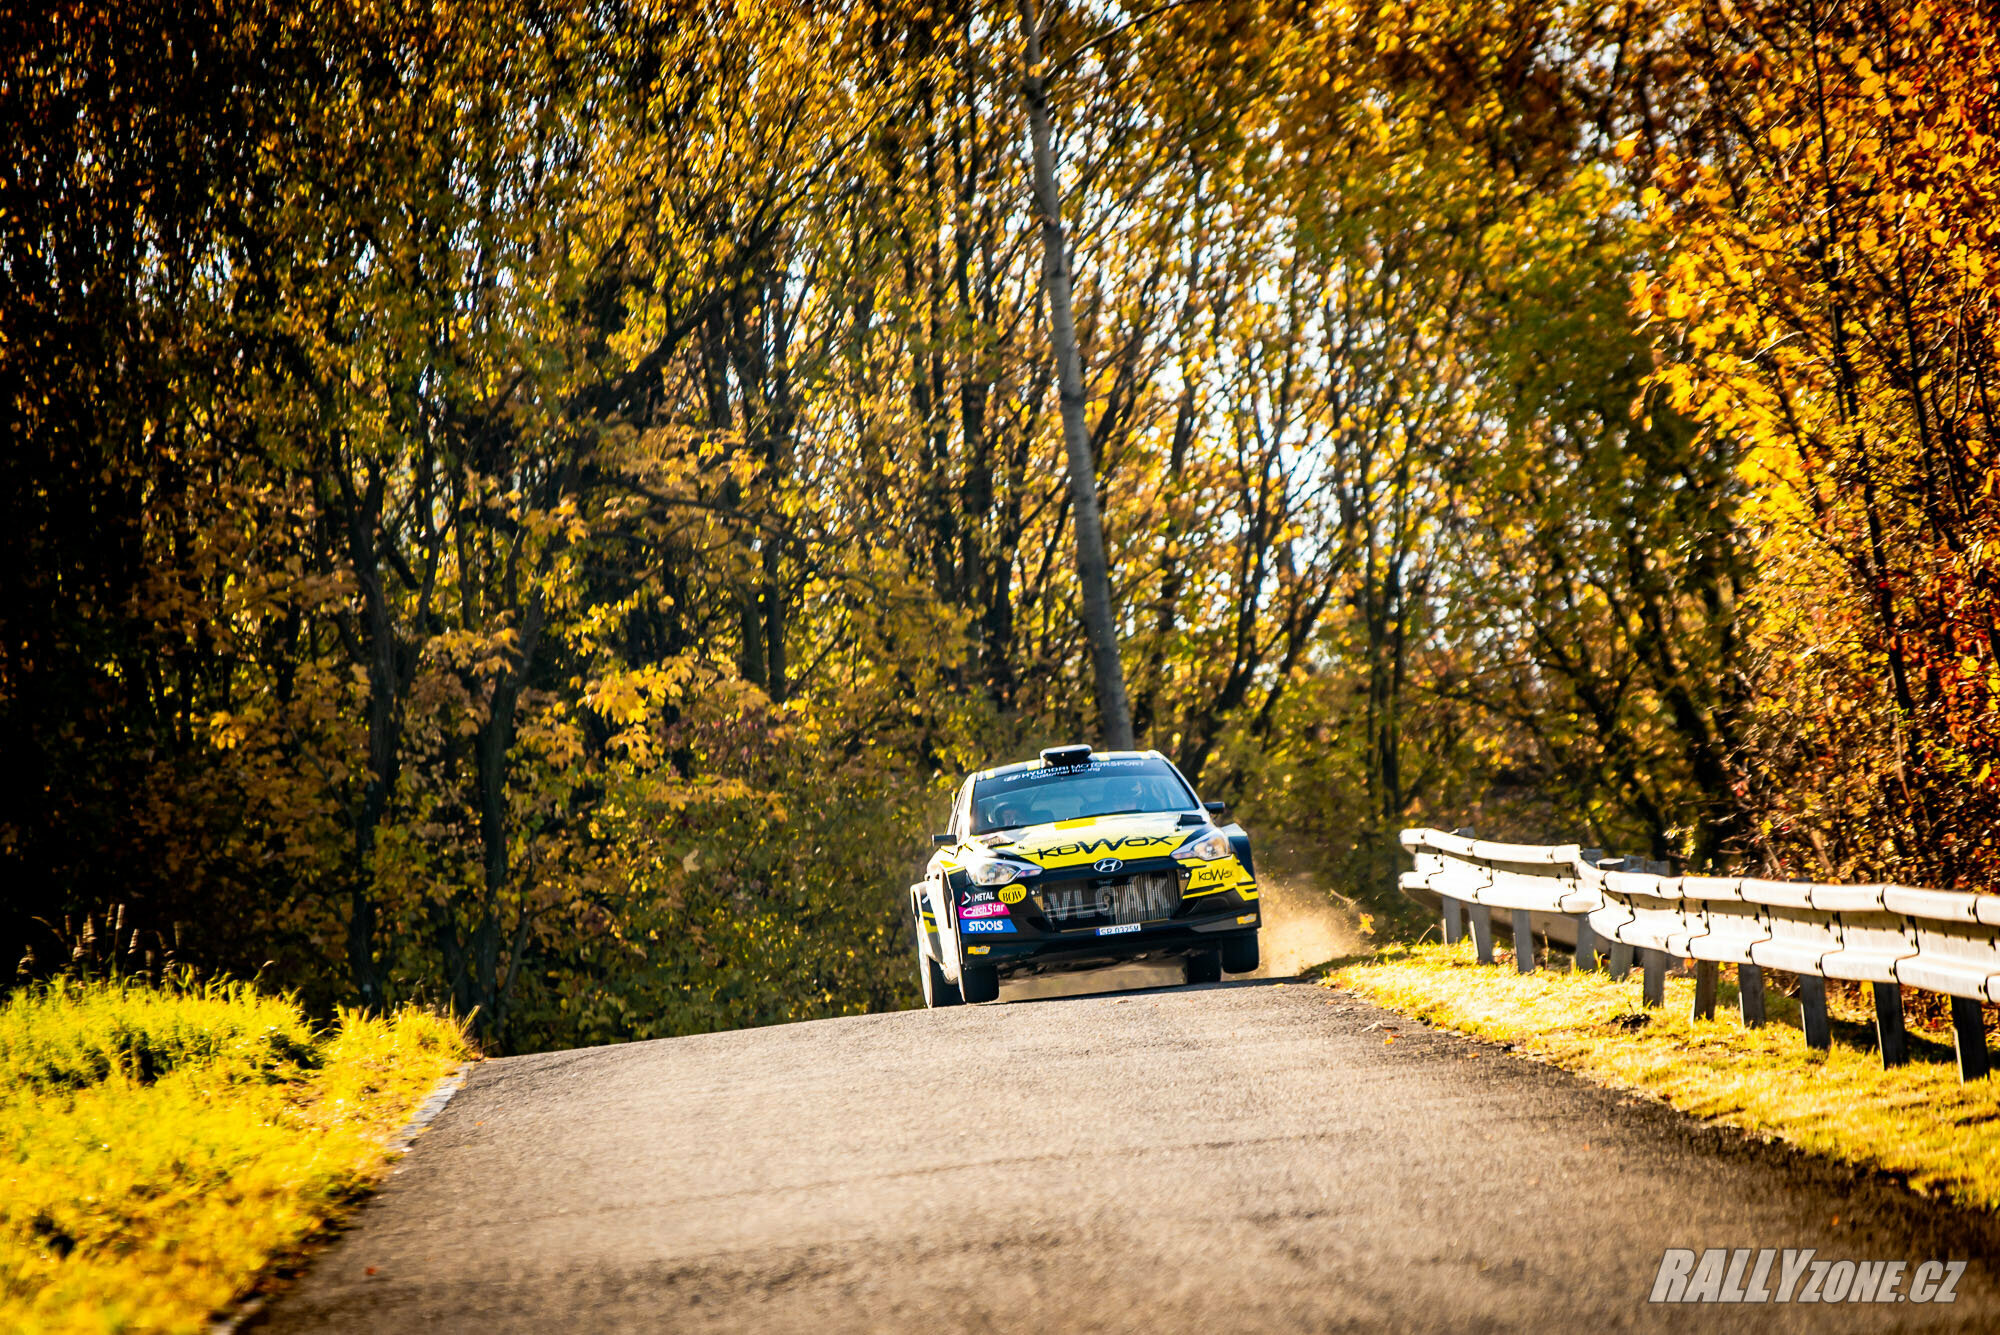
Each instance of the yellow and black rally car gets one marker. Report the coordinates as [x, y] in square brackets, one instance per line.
[1079, 860]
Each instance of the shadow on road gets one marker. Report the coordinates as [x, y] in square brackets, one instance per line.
[1117, 979]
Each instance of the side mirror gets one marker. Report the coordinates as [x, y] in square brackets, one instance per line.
[944, 840]
[1217, 807]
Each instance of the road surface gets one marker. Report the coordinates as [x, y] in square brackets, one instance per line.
[1251, 1156]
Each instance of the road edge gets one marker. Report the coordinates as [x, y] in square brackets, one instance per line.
[1754, 1065]
[250, 1310]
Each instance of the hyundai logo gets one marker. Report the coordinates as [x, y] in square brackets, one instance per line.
[1109, 865]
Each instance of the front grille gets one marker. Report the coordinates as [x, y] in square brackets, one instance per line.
[1109, 901]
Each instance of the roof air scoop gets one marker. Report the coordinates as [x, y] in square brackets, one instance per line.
[1062, 757]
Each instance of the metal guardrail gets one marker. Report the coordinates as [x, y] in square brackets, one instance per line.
[1890, 936]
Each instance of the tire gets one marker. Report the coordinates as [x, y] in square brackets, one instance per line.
[1239, 954]
[979, 982]
[938, 990]
[1204, 966]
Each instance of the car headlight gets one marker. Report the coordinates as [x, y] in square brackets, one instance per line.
[996, 872]
[1208, 848]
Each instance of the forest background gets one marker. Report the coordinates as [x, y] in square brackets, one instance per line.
[532, 506]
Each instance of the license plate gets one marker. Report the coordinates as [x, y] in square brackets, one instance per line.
[1119, 930]
[1142, 899]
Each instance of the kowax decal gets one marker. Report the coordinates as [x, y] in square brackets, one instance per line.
[1130, 844]
[986, 925]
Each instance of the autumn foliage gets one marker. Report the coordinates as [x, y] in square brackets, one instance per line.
[1828, 288]
[529, 507]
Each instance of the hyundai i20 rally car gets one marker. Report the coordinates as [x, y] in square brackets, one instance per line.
[1076, 861]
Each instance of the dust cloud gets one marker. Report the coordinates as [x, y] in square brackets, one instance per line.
[1303, 925]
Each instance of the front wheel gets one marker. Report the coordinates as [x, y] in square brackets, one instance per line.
[1239, 954]
[938, 990]
[979, 982]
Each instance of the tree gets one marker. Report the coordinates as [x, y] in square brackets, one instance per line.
[1092, 568]
[1828, 294]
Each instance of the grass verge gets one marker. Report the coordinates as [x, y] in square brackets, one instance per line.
[1914, 1121]
[162, 1147]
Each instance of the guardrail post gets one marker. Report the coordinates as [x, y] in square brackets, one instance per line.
[1524, 942]
[1454, 920]
[1968, 1032]
[1586, 944]
[1704, 989]
[1620, 959]
[1750, 994]
[1812, 1011]
[1482, 930]
[1653, 991]
[1889, 1035]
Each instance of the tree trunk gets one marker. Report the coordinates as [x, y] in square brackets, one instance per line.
[1093, 572]
[360, 514]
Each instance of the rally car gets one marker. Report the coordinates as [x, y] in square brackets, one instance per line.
[1076, 861]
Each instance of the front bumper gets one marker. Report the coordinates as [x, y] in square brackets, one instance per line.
[1078, 919]
[1026, 958]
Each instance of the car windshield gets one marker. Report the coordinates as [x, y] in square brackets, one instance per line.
[1097, 788]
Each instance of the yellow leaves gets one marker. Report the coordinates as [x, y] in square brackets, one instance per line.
[483, 653]
[1780, 136]
[630, 700]
[1643, 287]
[226, 731]
[620, 699]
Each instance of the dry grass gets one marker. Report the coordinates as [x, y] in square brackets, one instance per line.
[161, 1147]
[1914, 1120]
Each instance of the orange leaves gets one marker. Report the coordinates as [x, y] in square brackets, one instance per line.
[1828, 297]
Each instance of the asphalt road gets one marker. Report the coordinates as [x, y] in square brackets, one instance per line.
[1248, 1156]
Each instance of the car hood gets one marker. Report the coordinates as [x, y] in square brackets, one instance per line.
[1072, 843]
